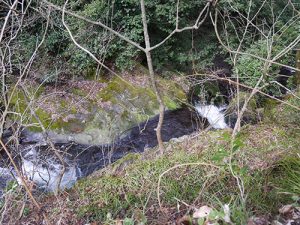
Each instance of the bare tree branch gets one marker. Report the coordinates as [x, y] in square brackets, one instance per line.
[194, 27]
[152, 78]
[96, 23]
[7, 18]
[214, 21]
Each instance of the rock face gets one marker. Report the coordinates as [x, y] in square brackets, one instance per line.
[91, 124]
[93, 112]
[252, 114]
[94, 124]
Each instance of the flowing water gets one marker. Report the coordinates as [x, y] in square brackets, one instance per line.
[39, 164]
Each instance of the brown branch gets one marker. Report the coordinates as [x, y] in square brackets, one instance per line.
[78, 45]
[48, 140]
[27, 189]
[6, 19]
[175, 167]
[258, 90]
[194, 27]
[152, 78]
[214, 22]
[96, 23]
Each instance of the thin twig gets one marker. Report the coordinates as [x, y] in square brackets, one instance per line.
[175, 167]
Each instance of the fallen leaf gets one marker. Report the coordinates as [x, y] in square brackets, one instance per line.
[118, 222]
[203, 211]
[258, 221]
[286, 209]
[227, 213]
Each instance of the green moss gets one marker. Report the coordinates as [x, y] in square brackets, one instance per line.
[169, 103]
[114, 87]
[18, 94]
[140, 117]
[281, 180]
[141, 97]
[270, 109]
[132, 189]
[47, 122]
[138, 182]
[19, 104]
[264, 157]
[130, 183]
[90, 73]
[243, 96]
[283, 114]
[171, 87]
[124, 105]
[79, 92]
[18, 101]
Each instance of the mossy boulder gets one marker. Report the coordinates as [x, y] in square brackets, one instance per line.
[96, 111]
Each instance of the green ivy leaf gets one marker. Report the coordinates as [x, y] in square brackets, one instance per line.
[201, 221]
[220, 155]
[128, 221]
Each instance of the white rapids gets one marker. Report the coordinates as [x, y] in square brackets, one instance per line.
[47, 173]
[213, 114]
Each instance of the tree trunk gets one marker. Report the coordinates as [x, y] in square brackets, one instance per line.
[297, 75]
[152, 78]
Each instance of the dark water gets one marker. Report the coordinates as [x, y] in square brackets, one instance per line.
[39, 163]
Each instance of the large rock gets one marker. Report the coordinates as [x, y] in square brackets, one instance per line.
[92, 112]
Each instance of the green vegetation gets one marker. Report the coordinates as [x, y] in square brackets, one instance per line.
[255, 173]
[197, 171]
[268, 36]
[129, 186]
[263, 156]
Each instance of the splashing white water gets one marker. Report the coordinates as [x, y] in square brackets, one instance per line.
[46, 174]
[213, 114]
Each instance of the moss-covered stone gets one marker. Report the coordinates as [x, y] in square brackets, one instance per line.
[208, 92]
[102, 113]
[251, 115]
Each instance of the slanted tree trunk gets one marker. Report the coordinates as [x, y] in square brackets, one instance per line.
[298, 67]
[152, 78]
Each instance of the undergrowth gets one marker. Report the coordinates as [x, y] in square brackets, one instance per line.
[194, 171]
[121, 193]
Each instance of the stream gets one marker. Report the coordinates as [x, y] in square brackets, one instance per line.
[38, 162]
